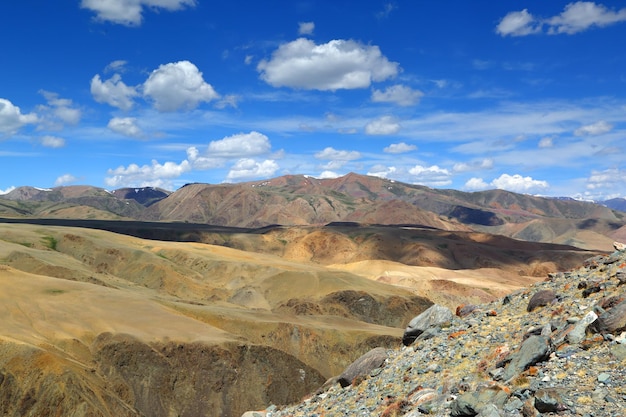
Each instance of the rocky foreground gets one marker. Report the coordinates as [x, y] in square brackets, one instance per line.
[556, 348]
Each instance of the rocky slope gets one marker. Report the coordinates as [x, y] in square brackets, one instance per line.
[556, 348]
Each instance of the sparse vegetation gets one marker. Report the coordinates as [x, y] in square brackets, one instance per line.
[50, 242]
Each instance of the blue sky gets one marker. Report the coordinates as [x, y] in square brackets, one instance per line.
[471, 95]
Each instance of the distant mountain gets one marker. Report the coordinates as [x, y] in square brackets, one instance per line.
[302, 200]
[145, 196]
[615, 204]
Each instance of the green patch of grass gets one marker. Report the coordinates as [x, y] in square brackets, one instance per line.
[54, 291]
[27, 244]
[50, 242]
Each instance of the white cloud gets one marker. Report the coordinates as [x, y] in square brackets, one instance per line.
[52, 142]
[248, 168]
[476, 184]
[579, 16]
[518, 24]
[152, 175]
[306, 28]
[126, 126]
[229, 100]
[576, 17]
[594, 129]
[381, 171]
[547, 142]
[240, 145]
[328, 175]
[385, 125]
[334, 154]
[116, 66]
[519, 184]
[113, 92]
[399, 148]
[432, 175]
[65, 179]
[387, 9]
[129, 12]
[338, 64]
[178, 85]
[12, 119]
[59, 111]
[486, 163]
[398, 94]
[8, 190]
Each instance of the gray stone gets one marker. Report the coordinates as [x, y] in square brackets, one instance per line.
[604, 377]
[547, 400]
[489, 410]
[577, 334]
[434, 316]
[535, 349]
[363, 366]
[513, 404]
[541, 298]
[612, 320]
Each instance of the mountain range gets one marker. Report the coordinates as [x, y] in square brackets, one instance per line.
[297, 200]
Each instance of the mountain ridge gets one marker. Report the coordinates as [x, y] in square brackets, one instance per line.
[302, 200]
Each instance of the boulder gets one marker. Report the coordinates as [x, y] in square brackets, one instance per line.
[535, 349]
[611, 321]
[540, 299]
[435, 316]
[363, 366]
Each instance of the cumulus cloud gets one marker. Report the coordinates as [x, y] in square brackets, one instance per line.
[595, 129]
[385, 125]
[129, 12]
[12, 119]
[58, 111]
[476, 184]
[328, 175]
[399, 148]
[432, 175]
[65, 179]
[519, 23]
[306, 28]
[576, 17]
[152, 175]
[52, 142]
[8, 190]
[515, 183]
[248, 168]
[397, 94]
[178, 85]
[381, 171]
[113, 92]
[334, 154]
[338, 64]
[126, 126]
[240, 144]
[519, 184]
[579, 16]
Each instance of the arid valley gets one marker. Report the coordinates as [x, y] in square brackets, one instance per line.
[216, 300]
